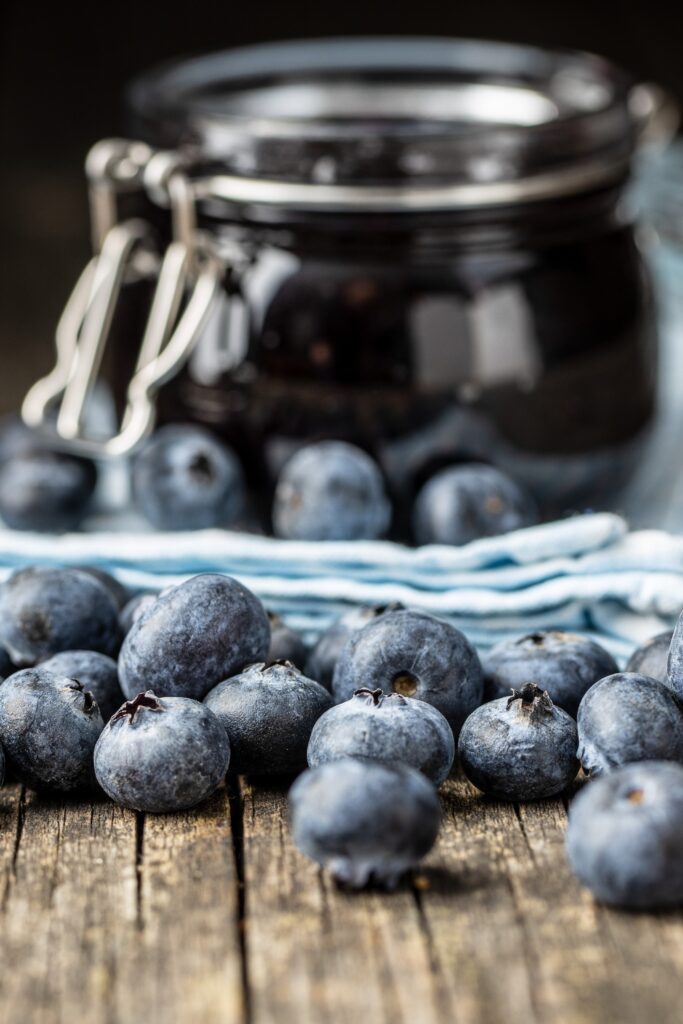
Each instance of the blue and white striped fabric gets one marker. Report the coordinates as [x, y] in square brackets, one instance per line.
[586, 573]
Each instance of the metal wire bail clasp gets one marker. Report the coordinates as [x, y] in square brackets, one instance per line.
[189, 277]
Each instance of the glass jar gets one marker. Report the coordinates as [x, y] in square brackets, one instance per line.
[426, 253]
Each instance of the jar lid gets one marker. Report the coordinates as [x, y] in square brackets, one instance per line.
[395, 123]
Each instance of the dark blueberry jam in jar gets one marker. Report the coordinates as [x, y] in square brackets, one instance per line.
[426, 253]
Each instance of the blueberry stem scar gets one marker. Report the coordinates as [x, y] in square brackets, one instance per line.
[129, 710]
[374, 695]
[534, 699]
[88, 699]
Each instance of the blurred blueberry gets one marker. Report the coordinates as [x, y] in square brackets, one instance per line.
[651, 658]
[466, 502]
[45, 610]
[97, 672]
[628, 717]
[117, 590]
[192, 637]
[675, 661]
[161, 754]
[564, 664]
[49, 726]
[625, 836]
[330, 491]
[388, 728]
[46, 491]
[363, 820]
[520, 747]
[268, 713]
[416, 655]
[186, 479]
[285, 643]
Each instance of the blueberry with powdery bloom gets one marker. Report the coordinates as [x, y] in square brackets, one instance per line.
[49, 726]
[186, 479]
[192, 637]
[117, 589]
[96, 672]
[161, 754]
[519, 748]
[330, 491]
[652, 657]
[332, 641]
[564, 664]
[45, 610]
[626, 718]
[625, 836]
[364, 821]
[416, 655]
[388, 728]
[268, 712]
[285, 643]
[463, 503]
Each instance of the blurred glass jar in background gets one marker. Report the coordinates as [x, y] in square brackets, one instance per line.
[427, 253]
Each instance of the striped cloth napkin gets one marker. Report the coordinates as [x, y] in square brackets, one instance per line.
[587, 573]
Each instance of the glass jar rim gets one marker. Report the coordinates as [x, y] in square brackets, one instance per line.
[390, 123]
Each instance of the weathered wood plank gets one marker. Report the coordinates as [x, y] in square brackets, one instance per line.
[111, 919]
[190, 918]
[315, 954]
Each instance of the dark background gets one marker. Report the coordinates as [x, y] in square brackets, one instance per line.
[62, 72]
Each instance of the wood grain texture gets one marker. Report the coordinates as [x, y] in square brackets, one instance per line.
[214, 916]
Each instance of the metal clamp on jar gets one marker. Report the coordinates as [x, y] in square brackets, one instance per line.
[427, 250]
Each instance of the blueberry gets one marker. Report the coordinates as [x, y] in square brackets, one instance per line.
[133, 609]
[363, 820]
[332, 641]
[675, 662]
[388, 728]
[186, 479]
[628, 717]
[330, 491]
[564, 664]
[49, 726]
[285, 644]
[416, 655]
[520, 747]
[625, 836]
[45, 491]
[463, 503]
[192, 637]
[651, 658]
[268, 713]
[97, 672]
[117, 590]
[45, 610]
[161, 754]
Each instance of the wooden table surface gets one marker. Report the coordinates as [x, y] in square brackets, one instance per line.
[213, 916]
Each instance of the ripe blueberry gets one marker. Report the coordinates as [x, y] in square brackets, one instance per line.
[45, 610]
[331, 642]
[651, 658]
[285, 644]
[388, 728]
[330, 491]
[625, 836]
[192, 637]
[520, 747]
[416, 655]
[564, 664]
[49, 726]
[96, 672]
[464, 503]
[363, 820]
[161, 754]
[186, 479]
[628, 717]
[268, 713]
